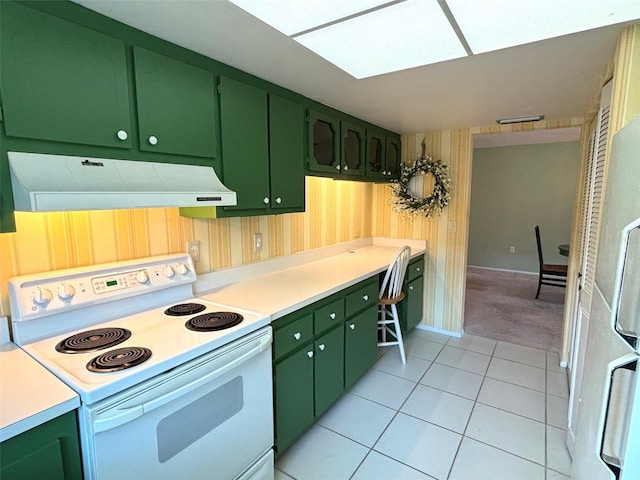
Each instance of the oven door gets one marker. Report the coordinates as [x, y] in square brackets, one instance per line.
[209, 418]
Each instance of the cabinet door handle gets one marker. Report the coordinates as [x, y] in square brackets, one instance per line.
[297, 335]
[352, 326]
[365, 297]
[122, 135]
[346, 167]
[384, 172]
[417, 269]
[321, 346]
[337, 167]
[278, 200]
[411, 287]
[332, 316]
[265, 200]
[153, 140]
[310, 354]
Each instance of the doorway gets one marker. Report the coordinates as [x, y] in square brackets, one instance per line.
[519, 180]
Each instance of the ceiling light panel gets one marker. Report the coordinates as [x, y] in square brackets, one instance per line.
[494, 24]
[401, 36]
[295, 16]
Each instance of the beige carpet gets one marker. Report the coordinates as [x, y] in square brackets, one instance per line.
[502, 306]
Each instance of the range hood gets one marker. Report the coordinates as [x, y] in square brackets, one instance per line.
[48, 183]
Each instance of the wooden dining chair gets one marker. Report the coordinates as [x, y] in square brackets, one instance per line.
[551, 274]
[390, 295]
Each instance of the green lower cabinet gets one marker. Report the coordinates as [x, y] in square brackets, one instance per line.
[328, 369]
[360, 344]
[50, 451]
[293, 397]
[410, 311]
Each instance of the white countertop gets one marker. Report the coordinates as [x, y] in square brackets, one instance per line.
[29, 394]
[282, 291]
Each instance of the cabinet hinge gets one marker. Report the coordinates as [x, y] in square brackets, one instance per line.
[218, 88]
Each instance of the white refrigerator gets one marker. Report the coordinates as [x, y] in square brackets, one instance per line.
[608, 427]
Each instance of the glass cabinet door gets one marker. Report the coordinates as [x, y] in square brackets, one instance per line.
[375, 154]
[393, 158]
[324, 144]
[353, 142]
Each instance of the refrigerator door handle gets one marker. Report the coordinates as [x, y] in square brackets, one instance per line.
[617, 418]
[625, 300]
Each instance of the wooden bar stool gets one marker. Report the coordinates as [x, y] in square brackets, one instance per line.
[390, 294]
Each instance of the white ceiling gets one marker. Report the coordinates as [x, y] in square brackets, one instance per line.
[557, 77]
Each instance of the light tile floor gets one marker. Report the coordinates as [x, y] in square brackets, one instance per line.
[461, 408]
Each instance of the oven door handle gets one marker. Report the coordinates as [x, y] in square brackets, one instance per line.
[263, 344]
[116, 418]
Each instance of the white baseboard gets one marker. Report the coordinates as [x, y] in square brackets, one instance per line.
[503, 270]
[439, 330]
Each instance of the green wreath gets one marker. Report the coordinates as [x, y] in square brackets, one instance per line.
[439, 198]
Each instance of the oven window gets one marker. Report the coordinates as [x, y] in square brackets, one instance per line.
[187, 425]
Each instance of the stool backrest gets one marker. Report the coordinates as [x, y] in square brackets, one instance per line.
[393, 279]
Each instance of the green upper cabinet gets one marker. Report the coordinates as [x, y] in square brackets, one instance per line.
[176, 106]
[62, 81]
[392, 156]
[245, 143]
[352, 149]
[382, 155]
[324, 143]
[375, 154]
[286, 154]
[262, 150]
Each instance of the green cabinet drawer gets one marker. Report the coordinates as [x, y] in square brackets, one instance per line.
[291, 336]
[415, 269]
[327, 316]
[362, 298]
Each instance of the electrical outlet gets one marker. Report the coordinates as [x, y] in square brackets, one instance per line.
[257, 242]
[193, 249]
[512, 249]
[453, 227]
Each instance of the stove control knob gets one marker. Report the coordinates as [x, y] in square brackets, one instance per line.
[183, 269]
[66, 292]
[142, 277]
[42, 297]
[169, 271]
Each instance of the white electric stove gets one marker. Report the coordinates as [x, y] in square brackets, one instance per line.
[145, 355]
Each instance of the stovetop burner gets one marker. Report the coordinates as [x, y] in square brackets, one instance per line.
[184, 309]
[119, 359]
[93, 340]
[213, 321]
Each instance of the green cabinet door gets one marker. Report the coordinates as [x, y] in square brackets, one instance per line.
[410, 311]
[375, 151]
[50, 451]
[393, 157]
[245, 143]
[360, 344]
[293, 396]
[352, 149]
[176, 106]
[286, 154]
[324, 143]
[61, 81]
[328, 369]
